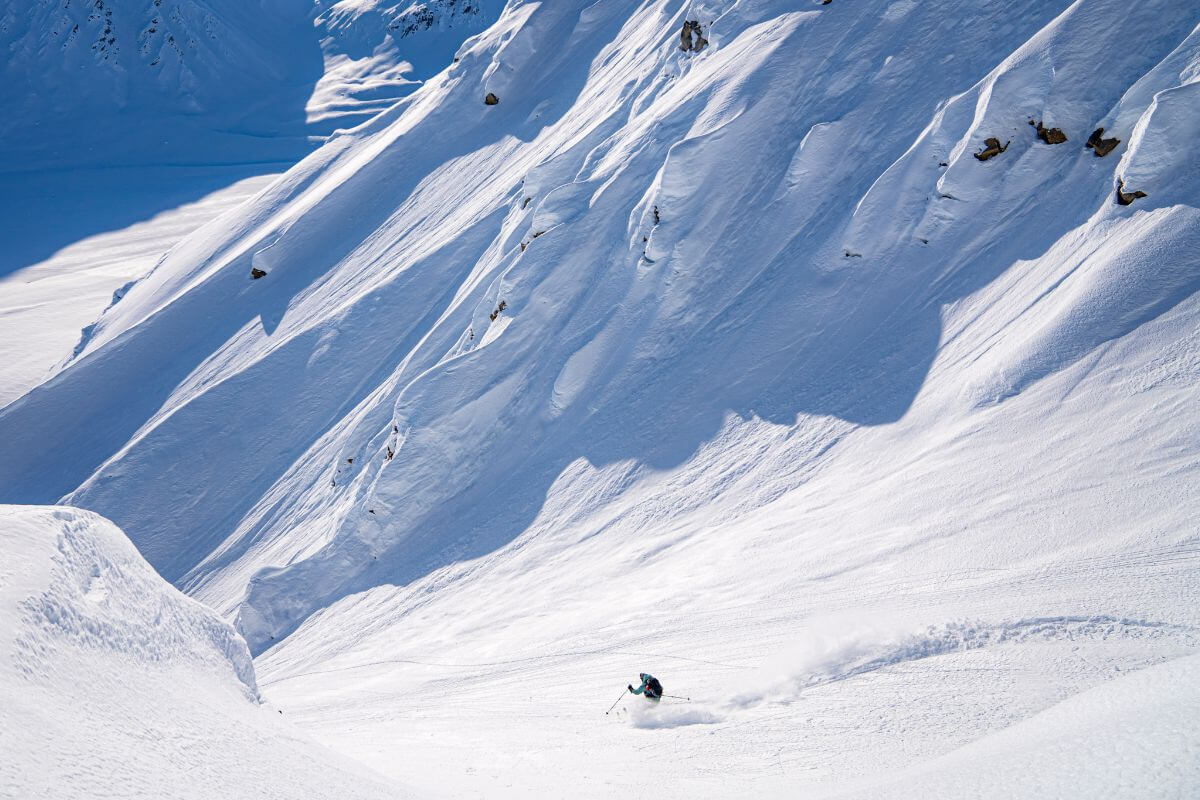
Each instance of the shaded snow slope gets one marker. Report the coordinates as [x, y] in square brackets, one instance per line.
[188, 81]
[379, 50]
[117, 113]
[661, 356]
[45, 306]
[109, 82]
[114, 684]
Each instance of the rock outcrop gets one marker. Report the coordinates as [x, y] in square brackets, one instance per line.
[1124, 198]
[1100, 145]
[1048, 135]
[690, 38]
[992, 148]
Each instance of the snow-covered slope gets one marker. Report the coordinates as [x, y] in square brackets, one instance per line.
[44, 306]
[122, 120]
[665, 355]
[182, 81]
[113, 684]
[189, 53]
[1134, 736]
[379, 50]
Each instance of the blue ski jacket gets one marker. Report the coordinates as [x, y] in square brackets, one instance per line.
[646, 678]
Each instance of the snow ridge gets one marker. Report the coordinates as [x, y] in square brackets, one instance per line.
[112, 682]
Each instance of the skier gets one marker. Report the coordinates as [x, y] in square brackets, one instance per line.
[650, 687]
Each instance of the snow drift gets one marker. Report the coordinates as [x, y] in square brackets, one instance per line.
[113, 683]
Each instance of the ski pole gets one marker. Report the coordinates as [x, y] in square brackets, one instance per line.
[614, 705]
[677, 697]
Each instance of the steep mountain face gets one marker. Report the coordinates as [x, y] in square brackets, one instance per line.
[376, 51]
[404, 19]
[119, 112]
[597, 346]
[186, 55]
[186, 68]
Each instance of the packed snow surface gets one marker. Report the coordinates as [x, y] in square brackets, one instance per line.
[113, 684]
[740, 366]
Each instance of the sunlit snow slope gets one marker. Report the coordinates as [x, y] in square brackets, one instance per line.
[735, 365]
[113, 684]
[127, 124]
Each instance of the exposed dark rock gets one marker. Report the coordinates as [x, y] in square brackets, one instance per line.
[1125, 198]
[690, 38]
[657, 218]
[1099, 144]
[425, 15]
[256, 273]
[503, 305]
[992, 149]
[491, 99]
[1048, 135]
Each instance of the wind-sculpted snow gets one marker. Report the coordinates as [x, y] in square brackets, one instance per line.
[112, 683]
[591, 346]
[1144, 719]
[100, 597]
[639, 252]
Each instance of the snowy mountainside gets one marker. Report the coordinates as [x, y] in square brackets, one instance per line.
[103, 661]
[120, 112]
[206, 79]
[376, 51]
[187, 55]
[404, 18]
[663, 353]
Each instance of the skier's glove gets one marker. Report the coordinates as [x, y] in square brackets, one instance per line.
[629, 687]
